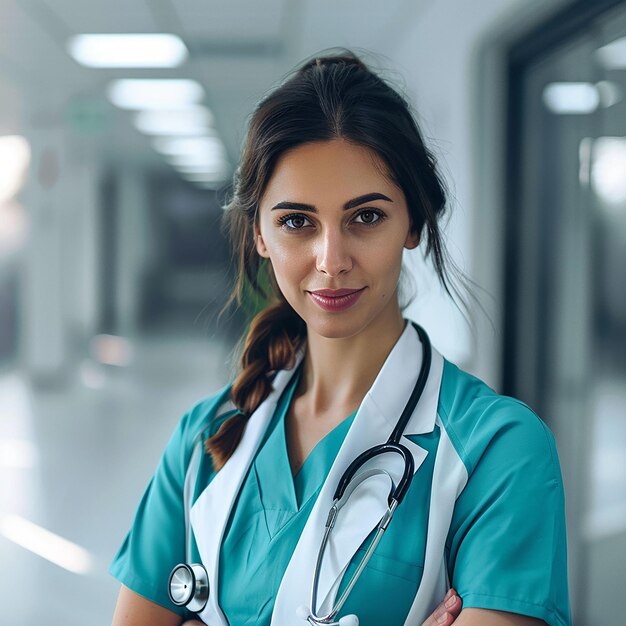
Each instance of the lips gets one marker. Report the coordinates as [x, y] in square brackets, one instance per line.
[336, 300]
[335, 293]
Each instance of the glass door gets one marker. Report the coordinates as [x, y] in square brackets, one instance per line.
[566, 286]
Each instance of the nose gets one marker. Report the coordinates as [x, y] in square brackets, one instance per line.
[333, 255]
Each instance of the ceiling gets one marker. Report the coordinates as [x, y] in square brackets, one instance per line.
[238, 50]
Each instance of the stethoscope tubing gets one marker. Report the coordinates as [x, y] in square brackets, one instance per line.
[346, 485]
[196, 573]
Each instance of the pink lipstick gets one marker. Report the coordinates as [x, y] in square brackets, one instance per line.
[334, 300]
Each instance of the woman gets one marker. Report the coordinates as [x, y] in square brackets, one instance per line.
[334, 184]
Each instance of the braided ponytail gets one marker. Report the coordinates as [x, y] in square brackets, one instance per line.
[275, 335]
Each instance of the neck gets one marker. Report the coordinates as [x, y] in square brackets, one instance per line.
[339, 372]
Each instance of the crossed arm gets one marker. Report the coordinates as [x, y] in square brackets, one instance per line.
[134, 610]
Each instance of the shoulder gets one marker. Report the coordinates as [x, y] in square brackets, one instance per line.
[482, 423]
[509, 503]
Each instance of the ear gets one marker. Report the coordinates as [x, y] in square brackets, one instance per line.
[261, 248]
[412, 240]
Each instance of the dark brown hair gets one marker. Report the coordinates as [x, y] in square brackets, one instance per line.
[329, 97]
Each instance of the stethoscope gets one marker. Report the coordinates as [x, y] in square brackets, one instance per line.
[189, 584]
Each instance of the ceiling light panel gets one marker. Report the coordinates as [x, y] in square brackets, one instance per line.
[574, 98]
[148, 93]
[193, 120]
[607, 171]
[196, 146]
[208, 163]
[613, 55]
[127, 50]
[610, 92]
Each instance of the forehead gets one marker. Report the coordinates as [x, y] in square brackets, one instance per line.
[328, 173]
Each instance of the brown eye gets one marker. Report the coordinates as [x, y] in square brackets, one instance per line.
[296, 222]
[368, 217]
[293, 222]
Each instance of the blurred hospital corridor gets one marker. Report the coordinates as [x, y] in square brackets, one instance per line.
[117, 156]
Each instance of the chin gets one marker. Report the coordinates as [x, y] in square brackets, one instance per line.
[335, 325]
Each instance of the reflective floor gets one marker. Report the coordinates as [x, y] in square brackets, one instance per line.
[76, 461]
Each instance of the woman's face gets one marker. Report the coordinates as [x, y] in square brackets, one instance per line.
[334, 227]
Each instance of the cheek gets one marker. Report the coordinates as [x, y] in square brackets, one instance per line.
[287, 270]
[385, 266]
[285, 256]
[290, 262]
[384, 257]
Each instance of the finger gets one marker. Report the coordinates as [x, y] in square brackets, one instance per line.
[446, 612]
[453, 605]
[439, 618]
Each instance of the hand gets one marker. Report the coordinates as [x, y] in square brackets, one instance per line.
[193, 622]
[446, 612]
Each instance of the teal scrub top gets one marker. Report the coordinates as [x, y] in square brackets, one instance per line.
[506, 545]
[269, 517]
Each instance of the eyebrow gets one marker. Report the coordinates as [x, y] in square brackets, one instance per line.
[350, 204]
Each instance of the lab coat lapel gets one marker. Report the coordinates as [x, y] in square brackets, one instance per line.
[372, 425]
[209, 515]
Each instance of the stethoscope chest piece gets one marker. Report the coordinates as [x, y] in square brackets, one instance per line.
[189, 586]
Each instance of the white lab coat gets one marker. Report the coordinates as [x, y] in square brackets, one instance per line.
[372, 425]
